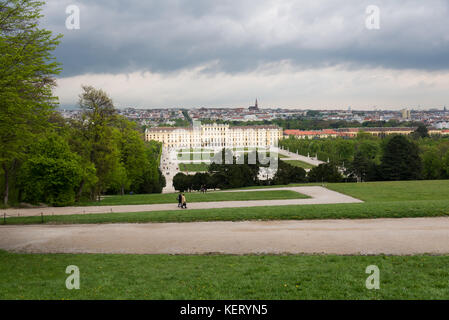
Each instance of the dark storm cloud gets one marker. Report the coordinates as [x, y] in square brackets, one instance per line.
[169, 35]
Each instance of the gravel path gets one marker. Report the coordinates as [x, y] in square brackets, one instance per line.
[294, 156]
[380, 236]
[319, 195]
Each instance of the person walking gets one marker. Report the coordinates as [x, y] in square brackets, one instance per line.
[184, 202]
[180, 200]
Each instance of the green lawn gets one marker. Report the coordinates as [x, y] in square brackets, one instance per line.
[395, 191]
[198, 156]
[222, 277]
[368, 210]
[194, 167]
[300, 164]
[267, 154]
[383, 200]
[196, 197]
[243, 277]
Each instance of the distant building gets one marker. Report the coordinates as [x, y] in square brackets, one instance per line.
[353, 132]
[406, 114]
[255, 107]
[378, 132]
[322, 134]
[216, 135]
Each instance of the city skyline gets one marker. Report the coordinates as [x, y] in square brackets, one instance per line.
[264, 107]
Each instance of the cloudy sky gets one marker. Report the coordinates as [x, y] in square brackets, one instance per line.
[225, 53]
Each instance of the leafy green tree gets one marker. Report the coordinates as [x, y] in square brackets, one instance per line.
[401, 160]
[77, 139]
[153, 179]
[212, 181]
[132, 154]
[100, 139]
[344, 150]
[199, 180]
[181, 182]
[235, 173]
[287, 174]
[26, 82]
[120, 181]
[327, 172]
[51, 173]
[434, 161]
[359, 167]
[369, 148]
[421, 132]
[446, 164]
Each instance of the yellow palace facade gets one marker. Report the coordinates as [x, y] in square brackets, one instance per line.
[215, 136]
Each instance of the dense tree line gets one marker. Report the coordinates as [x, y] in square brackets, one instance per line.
[238, 174]
[78, 159]
[368, 158]
[231, 176]
[227, 171]
[26, 82]
[43, 157]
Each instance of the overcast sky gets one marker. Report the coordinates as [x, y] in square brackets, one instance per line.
[225, 53]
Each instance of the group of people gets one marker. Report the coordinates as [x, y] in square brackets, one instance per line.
[182, 202]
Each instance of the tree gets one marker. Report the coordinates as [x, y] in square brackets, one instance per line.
[153, 179]
[236, 173]
[100, 138]
[368, 147]
[326, 172]
[344, 151]
[446, 164]
[199, 180]
[401, 160]
[434, 162]
[51, 173]
[114, 145]
[120, 180]
[181, 182]
[359, 167]
[421, 132]
[287, 174]
[26, 81]
[132, 154]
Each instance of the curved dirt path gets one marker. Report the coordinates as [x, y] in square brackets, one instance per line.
[381, 236]
[318, 195]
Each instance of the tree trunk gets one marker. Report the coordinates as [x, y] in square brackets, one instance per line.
[80, 191]
[6, 197]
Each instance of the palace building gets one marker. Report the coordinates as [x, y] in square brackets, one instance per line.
[215, 136]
